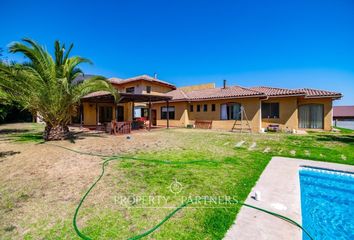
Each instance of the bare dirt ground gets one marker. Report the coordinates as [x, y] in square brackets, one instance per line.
[42, 181]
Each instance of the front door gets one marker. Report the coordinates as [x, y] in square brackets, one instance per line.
[105, 114]
[120, 114]
[153, 117]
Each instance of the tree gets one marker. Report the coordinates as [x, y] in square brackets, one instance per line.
[48, 87]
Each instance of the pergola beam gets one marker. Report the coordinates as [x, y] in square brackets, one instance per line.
[168, 114]
[150, 118]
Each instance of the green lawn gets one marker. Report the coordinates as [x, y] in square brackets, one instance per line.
[206, 163]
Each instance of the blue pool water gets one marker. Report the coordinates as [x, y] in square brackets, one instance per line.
[327, 204]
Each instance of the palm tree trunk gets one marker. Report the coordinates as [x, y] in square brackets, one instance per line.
[58, 132]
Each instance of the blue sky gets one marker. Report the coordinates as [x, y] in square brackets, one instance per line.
[291, 44]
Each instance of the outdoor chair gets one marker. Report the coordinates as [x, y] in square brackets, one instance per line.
[273, 128]
[203, 124]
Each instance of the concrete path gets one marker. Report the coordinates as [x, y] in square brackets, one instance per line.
[279, 186]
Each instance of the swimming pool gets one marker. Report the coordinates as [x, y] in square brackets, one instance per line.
[327, 203]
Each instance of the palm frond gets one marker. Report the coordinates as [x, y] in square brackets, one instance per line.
[46, 86]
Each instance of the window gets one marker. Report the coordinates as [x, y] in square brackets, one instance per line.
[205, 107]
[213, 107]
[171, 112]
[130, 90]
[230, 111]
[140, 112]
[270, 110]
[148, 89]
[78, 115]
[145, 112]
[311, 116]
[191, 108]
[198, 108]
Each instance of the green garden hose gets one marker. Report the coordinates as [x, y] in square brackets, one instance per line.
[108, 159]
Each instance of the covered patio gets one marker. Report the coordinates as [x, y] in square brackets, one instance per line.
[100, 111]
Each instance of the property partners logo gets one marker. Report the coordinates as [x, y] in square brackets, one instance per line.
[174, 198]
[176, 187]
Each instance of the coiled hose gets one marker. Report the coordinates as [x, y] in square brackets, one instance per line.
[108, 159]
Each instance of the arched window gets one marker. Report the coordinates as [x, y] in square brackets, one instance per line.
[311, 116]
[230, 111]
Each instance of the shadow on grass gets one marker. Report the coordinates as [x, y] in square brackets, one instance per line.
[11, 131]
[349, 139]
[29, 137]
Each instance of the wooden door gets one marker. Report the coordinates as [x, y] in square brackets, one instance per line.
[120, 114]
[153, 117]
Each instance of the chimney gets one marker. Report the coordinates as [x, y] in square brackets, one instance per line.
[224, 84]
[155, 75]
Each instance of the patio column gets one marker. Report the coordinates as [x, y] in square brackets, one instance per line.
[150, 119]
[132, 111]
[97, 116]
[116, 109]
[168, 115]
[81, 114]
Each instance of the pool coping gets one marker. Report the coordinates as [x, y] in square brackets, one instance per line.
[279, 185]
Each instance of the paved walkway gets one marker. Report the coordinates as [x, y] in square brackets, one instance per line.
[279, 186]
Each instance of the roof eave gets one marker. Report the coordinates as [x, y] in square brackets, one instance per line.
[144, 79]
[284, 95]
[336, 97]
[215, 98]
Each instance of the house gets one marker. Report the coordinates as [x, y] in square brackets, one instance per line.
[343, 116]
[343, 113]
[136, 97]
[289, 109]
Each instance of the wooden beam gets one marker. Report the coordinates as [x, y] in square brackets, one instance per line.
[168, 114]
[97, 114]
[132, 111]
[81, 109]
[150, 117]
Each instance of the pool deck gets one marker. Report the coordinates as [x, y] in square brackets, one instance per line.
[279, 186]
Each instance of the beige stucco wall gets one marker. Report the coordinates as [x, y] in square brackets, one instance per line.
[183, 116]
[90, 114]
[198, 87]
[251, 106]
[327, 110]
[140, 87]
[288, 113]
[128, 111]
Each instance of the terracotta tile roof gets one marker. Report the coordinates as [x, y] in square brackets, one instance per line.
[239, 92]
[314, 93]
[307, 92]
[343, 111]
[272, 91]
[178, 94]
[214, 93]
[115, 80]
[97, 94]
[138, 78]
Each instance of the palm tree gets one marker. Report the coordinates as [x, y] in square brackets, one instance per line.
[48, 87]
